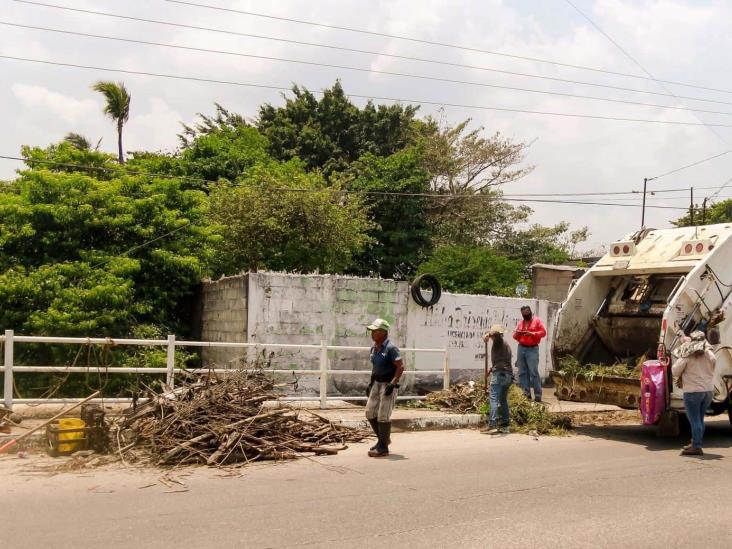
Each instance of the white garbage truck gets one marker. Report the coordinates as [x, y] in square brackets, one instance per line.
[636, 303]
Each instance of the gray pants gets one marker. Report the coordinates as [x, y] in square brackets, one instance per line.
[380, 406]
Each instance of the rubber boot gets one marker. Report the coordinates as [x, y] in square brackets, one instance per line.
[382, 446]
[375, 427]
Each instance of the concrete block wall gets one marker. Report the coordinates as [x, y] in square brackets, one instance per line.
[305, 309]
[224, 317]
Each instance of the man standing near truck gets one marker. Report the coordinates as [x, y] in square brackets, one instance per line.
[529, 333]
[386, 369]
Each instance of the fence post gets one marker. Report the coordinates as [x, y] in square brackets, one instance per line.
[170, 364]
[323, 374]
[446, 372]
[8, 387]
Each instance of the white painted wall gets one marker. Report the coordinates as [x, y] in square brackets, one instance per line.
[458, 323]
[289, 308]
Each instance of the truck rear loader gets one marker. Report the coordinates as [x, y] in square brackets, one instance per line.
[637, 303]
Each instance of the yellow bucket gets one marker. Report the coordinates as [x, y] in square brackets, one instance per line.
[68, 443]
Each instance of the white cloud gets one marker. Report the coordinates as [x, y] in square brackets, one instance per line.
[48, 104]
[682, 40]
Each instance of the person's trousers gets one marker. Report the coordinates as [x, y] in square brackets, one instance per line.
[500, 384]
[527, 362]
[379, 405]
[696, 405]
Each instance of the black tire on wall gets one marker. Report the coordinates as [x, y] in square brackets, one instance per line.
[416, 290]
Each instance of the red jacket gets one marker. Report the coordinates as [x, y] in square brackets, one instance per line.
[535, 326]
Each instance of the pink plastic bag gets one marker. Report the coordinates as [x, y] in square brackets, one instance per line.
[653, 391]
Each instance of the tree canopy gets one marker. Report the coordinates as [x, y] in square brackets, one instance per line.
[331, 132]
[97, 255]
[718, 212]
[281, 218]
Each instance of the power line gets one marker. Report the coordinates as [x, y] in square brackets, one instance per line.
[375, 71]
[689, 166]
[637, 63]
[435, 196]
[433, 43]
[390, 73]
[370, 97]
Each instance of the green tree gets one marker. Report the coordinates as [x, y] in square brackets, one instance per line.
[474, 270]
[401, 237]
[218, 147]
[67, 239]
[332, 132]
[540, 244]
[117, 107]
[719, 212]
[81, 142]
[281, 218]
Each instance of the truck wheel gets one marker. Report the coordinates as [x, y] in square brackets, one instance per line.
[729, 412]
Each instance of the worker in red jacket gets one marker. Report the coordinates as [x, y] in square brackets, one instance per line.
[529, 333]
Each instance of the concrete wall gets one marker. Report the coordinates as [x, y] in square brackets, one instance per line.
[458, 323]
[552, 282]
[224, 316]
[288, 308]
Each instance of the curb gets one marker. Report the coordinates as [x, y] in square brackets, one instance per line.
[435, 423]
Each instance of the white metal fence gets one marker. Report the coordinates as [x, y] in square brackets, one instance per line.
[10, 369]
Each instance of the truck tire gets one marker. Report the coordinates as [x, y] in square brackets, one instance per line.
[729, 413]
[416, 290]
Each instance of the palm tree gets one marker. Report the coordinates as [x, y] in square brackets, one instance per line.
[117, 107]
[78, 141]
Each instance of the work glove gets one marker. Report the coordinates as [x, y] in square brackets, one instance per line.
[390, 389]
[368, 389]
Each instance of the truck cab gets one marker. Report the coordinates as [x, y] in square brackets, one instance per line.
[638, 301]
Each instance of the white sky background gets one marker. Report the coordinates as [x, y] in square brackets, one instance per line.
[684, 41]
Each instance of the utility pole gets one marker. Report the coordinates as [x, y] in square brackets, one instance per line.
[704, 210]
[691, 207]
[643, 211]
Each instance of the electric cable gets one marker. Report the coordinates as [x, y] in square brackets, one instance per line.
[390, 73]
[433, 43]
[638, 64]
[371, 97]
[358, 69]
[676, 170]
[437, 196]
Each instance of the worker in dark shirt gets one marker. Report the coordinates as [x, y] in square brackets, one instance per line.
[501, 380]
[386, 369]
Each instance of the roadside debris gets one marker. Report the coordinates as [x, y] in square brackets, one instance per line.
[223, 420]
[526, 415]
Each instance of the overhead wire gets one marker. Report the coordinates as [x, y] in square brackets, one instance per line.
[373, 97]
[527, 198]
[367, 70]
[637, 63]
[375, 71]
[432, 43]
[687, 166]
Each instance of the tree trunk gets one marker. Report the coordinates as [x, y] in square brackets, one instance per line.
[119, 142]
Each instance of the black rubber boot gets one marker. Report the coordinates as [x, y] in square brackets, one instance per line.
[382, 446]
[375, 427]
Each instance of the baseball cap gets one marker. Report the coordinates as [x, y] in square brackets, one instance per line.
[379, 324]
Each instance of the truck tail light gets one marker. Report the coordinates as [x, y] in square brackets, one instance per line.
[622, 249]
[696, 247]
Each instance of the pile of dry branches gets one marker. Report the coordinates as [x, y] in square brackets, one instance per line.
[225, 420]
[462, 398]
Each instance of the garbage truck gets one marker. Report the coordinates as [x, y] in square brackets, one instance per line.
[636, 304]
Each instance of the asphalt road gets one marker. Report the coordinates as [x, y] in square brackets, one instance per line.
[609, 487]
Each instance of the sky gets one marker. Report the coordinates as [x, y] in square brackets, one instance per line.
[678, 41]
